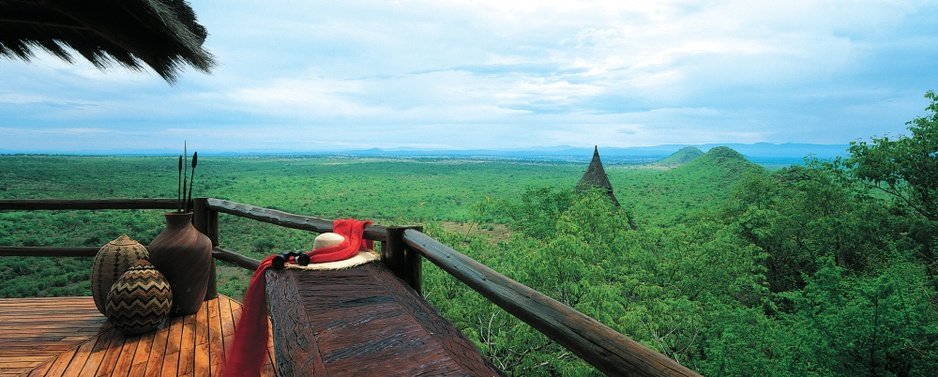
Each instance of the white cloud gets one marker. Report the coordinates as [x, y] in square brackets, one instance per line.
[464, 73]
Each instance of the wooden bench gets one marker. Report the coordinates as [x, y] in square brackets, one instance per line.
[363, 321]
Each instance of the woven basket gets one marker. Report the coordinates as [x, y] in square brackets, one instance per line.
[140, 300]
[112, 260]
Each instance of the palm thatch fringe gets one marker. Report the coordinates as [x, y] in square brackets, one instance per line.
[163, 34]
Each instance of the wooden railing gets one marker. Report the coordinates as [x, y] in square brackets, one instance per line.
[402, 249]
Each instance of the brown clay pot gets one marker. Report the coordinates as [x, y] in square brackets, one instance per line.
[184, 256]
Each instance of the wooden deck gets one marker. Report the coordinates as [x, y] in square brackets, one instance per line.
[363, 321]
[67, 336]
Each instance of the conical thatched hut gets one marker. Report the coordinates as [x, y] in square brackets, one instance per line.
[163, 34]
[596, 176]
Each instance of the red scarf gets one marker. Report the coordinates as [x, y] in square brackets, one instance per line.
[247, 353]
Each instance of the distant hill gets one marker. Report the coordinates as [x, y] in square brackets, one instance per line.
[718, 169]
[724, 158]
[681, 157]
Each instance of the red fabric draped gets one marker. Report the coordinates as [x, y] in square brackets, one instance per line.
[352, 230]
[246, 354]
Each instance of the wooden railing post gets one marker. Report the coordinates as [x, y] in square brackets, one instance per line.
[402, 260]
[206, 221]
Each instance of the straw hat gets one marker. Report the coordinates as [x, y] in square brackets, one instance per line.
[330, 239]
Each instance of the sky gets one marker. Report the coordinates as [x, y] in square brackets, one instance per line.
[312, 76]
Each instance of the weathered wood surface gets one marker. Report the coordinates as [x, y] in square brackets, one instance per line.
[363, 321]
[602, 347]
[67, 336]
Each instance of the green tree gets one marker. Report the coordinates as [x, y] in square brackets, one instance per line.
[535, 214]
[881, 323]
[905, 167]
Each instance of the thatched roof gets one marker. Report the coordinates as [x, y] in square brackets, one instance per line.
[162, 34]
[596, 176]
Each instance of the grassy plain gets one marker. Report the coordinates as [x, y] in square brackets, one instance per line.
[385, 191]
[436, 193]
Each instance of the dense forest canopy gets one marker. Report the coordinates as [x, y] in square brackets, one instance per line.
[825, 268]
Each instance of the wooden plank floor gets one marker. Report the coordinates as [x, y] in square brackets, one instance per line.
[67, 336]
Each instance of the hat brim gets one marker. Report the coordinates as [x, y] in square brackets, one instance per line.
[362, 257]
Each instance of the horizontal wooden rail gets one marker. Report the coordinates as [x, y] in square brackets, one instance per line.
[235, 258]
[597, 344]
[68, 204]
[6, 251]
[218, 253]
[73, 204]
[287, 220]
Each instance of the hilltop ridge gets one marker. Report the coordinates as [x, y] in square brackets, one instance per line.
[715, 171]
[681, 157]
[721, 158]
